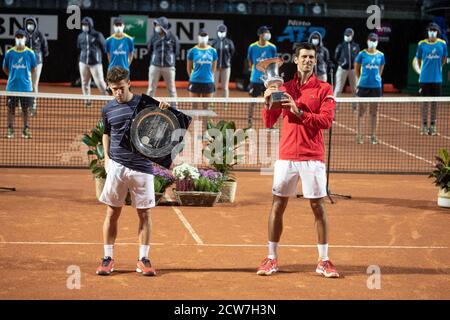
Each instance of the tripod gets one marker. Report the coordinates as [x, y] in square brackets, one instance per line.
[330, 134]
[7, 189]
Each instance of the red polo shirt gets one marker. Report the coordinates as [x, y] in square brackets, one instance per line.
[302, 137]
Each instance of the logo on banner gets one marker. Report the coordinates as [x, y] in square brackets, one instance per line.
[136, 26]
[10, 23]
[384, 32]
[299, 31]
[187, 29]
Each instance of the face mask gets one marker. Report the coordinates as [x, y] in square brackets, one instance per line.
[118, 29]
[315, 42]
[20, 42]
[85, 28]
[30, 27]
[267, 36]
[221, 35]
[158, 29]
[432, 34]
[203, 40]
[372, 44]
[348, 38]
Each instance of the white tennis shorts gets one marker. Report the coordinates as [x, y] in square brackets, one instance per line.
[312, 174]
[120, 179]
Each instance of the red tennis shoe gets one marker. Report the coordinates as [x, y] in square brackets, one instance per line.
[327, 269]
[107, 267]
[267, 267]
[145, 267]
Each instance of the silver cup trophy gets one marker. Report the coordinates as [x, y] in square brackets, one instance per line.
[271, 78]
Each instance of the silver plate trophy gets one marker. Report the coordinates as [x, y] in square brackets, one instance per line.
[151, 132]
[271, 77]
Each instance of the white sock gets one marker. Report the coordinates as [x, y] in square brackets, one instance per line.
[323, 251]
[273, 246]
[143, 251]
[108, 248]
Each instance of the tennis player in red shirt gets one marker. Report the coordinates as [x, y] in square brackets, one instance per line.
[308, 110]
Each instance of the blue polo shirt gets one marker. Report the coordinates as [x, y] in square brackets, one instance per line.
[115, 115]
[19, 63]
[118, 49]
[255, 54]
[370, 68]
[203, 59]
[431, 55]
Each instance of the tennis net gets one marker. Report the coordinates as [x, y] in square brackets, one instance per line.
[399, 147]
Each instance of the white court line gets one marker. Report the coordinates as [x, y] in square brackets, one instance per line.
[217, 245]
[186, 223]
[388, 145]
[409, 124]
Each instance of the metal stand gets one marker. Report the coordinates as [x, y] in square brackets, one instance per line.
[330, 134]
[7, 189]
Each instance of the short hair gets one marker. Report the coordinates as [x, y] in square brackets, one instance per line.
[306, 46]
[117, 74]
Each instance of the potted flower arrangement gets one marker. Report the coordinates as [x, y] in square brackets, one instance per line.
[163, 178]
[195, 187]
[441, 175]
[97, 164]
[222, 156]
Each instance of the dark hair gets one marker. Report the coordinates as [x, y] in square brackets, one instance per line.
[117, 74]
[306, 46]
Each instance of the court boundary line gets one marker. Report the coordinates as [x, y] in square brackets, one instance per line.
[386, 144]
[246, 245]
[186, 223]
[409, 124]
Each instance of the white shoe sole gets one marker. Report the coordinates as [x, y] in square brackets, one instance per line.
[327, 275]
[266, 273]
[102, 273]
[140, 271]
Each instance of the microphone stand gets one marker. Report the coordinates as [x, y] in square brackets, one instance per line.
[330, 133]
[7, 189]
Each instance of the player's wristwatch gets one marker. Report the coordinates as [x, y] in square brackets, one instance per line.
[300, 113]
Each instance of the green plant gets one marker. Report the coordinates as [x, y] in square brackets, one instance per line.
[441, 173]
[223, 141]
[162, 179]
[95, 144]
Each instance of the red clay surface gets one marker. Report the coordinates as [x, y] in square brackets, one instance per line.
[53, 221]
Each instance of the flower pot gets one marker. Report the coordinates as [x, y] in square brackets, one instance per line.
[443, 198]
[99, 184]
[196, 198]
[158, 197]
[228, 191]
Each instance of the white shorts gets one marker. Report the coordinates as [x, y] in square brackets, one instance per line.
[120, 179]
[312, 174]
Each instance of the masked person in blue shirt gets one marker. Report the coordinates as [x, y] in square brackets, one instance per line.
[369, 66]
[201, 66]
[119, 46]
[19, 64]
[431, 56]
[258, 51]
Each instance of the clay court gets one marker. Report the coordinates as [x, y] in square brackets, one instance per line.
[52, 226]
[53, 222]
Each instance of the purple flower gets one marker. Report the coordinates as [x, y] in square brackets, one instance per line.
[163, 173]
[210, 174]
